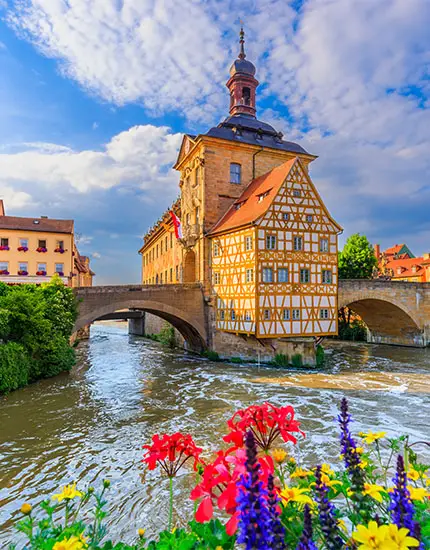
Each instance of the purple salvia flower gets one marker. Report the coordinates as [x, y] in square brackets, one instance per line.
[401, 507]
[254, 518]
[306, 542]
[275, 526]
[327, 515]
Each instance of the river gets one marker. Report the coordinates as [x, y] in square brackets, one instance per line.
[91, 424]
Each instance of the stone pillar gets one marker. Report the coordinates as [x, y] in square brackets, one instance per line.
[136, 327]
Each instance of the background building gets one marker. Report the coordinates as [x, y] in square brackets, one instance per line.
[32, 250]
[256, 233]
[399, 264]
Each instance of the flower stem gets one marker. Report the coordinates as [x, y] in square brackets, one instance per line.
[170, 503]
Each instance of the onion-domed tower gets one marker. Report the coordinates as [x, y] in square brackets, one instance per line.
[242, 83]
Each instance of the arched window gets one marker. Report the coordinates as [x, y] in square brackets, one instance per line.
[235, 172]
[246, 95]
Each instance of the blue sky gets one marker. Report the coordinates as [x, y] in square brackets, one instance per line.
[95, 95]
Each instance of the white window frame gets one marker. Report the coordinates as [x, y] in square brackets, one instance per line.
[286, 314]
[232, 315]
[271, 242]
[249, 276]
[248, 316]
[283, 270]
[58, 270]
[20, 264]
[265, 271]
[267, 314]
[248, 242]
[216, 249]
[324, 274]
[324, 313]
[296, 314]
[41, 268]
[217, 278]
[323, 245]
[235, 175]
[297, 240]
[23, 242]
[4, 266]
[305, 273]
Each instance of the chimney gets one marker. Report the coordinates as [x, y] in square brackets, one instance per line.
[377, 249]
[1, 208]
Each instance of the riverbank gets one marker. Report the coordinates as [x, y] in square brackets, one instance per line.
[91, 423]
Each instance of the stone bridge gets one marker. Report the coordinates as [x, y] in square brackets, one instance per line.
[395, 312]
[183, 306]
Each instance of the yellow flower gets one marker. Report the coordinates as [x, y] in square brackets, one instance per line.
[329, 482]
[279, 455]
[371, 437]
[359, 450]
[374, 491]
[294, 494]
[300, 472]
[292, 460]
[141, 533]
[362, 464]
[73, 543]
[26, 508]
[342, 525]
[418, 493]
[68, 492]
[398, 538]
[413, 474]
[325, 469]
[371, 537]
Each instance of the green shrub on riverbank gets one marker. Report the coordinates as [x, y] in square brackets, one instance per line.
[36, 324]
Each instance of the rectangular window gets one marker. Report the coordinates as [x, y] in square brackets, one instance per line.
[161, 247]
[271, 242]
[4, 267]
[267, 314]
[298, 243]
[305, 276]
[267, 275]
[197, 180]
[216, 249]
[285, 216]
[249, 275]
[309, 218]
[161, 278]
[283, 275]
[324, 245]
[171, 274]
[323, 313]
[60, 244]
[248, 243]
[235, 173]
[233, 315]
[247, 316]
[296, 314]
[23, 267]
[165, 277]
[222, 315]
[4, 242]
[286, 314]
[23, 243]
[167, 243]
[177, 273]
[217, 278]
[296, 193]
[171, 240]
[327, 277]
[41, 267]
[59, 268]
[42, 243]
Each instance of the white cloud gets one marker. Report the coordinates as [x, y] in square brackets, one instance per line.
[96, 255]
[13, 199]
[136, 157]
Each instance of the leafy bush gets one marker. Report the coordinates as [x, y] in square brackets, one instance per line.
[377, 498]
[212, 355]
[14, 367]
[281, 360]
[319, 356]
[40, 320]
[236, 360]
[167, 335]
[297, 360]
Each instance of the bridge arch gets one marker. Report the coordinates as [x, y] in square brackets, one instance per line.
[182, 307]
[387, 320]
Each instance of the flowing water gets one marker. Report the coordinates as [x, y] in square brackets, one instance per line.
[91, 424]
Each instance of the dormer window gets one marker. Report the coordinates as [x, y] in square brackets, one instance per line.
[262, 196]
[235, 173]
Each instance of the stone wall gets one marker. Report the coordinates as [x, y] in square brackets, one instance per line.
[154, 325]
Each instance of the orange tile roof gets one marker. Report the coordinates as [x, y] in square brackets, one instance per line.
[394, 249]
[250, 207]
[407, 264]
[47, 225]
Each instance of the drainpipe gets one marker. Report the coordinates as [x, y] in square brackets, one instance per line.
[253, 161]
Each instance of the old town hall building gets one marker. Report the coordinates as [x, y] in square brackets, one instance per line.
[256, 233]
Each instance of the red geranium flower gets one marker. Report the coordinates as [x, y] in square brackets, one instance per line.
[266, 422]
[171, 452]
[219, 485]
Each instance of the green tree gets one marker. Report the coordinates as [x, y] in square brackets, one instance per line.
[357, 259]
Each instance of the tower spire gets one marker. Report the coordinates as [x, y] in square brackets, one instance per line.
[242, 53]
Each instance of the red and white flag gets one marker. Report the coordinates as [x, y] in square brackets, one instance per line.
[177, 224]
